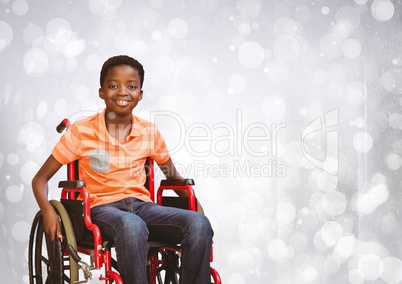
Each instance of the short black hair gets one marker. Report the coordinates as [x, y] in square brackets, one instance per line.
[118, 61]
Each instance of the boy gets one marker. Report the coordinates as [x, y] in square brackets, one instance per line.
[111, 148]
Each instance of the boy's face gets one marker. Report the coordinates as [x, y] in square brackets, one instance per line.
[121, 90]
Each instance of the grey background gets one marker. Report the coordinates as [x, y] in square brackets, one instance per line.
[317, 203]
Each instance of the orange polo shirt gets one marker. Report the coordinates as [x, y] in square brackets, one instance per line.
[111, 170]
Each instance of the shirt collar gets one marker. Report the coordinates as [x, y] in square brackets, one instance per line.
[103, 134]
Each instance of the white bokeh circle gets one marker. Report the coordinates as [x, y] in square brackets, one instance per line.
[394, 161]
[36, 62]
[237, 83]
[392, 81]
[392, 272]
[382, 10]
[20, 231]
[177, 28]
[20, 7]
[286, 48]
[370, 266]
[28, 171]
[6, 34]
[14, 193]
[277, 249]
[362, 142]
[285, 213]
[274, 107]
[249, 8]
[251, 54]
[351, 48]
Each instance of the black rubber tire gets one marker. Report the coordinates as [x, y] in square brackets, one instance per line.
[46, 259]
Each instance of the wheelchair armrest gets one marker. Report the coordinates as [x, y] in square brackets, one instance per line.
[177, 182]
[72, 189]
[71, 184]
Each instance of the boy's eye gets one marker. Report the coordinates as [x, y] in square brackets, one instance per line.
[130, 87]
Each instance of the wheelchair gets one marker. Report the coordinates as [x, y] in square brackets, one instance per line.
[59, 262]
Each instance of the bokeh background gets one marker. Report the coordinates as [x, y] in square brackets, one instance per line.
[286, 113]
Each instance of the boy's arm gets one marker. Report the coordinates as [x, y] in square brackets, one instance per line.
[170, 172]
[51, 220]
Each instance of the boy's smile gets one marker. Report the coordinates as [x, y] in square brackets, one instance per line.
[122, 102]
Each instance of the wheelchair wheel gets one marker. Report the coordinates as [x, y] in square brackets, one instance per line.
[49, 262]
[169, 271]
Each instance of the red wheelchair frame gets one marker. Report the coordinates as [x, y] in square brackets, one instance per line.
[100, 252]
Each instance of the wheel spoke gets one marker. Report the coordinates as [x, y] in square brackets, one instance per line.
[49, 262]
[44, 260]
[169, 268]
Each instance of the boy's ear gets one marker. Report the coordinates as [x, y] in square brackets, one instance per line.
[101, 93]
[141, 93]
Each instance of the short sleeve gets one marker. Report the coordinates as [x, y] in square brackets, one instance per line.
[159, 152]
[67, 149]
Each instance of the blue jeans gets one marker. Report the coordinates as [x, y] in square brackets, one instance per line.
[131, 222]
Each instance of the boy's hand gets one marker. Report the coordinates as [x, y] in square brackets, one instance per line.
[52, 223]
